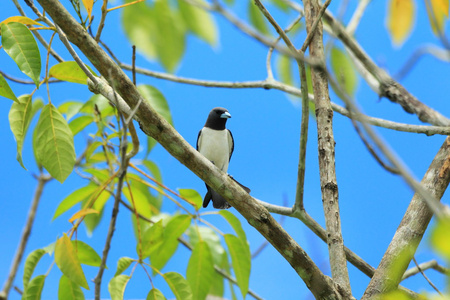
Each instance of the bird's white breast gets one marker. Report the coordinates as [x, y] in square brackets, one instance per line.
[214, 145]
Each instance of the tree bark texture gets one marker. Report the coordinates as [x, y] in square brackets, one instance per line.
[328, 182]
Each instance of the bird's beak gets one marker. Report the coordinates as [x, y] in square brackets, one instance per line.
[225, 115]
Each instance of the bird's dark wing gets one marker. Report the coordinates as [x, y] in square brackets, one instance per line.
[198, 139]
[218, 201]
[230, 143]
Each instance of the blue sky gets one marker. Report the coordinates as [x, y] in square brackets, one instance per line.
[265, 126]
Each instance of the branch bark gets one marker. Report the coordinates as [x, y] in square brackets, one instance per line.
[154, 125]
[412, 227]
[326, 143]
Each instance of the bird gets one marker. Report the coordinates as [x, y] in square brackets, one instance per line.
[216, 143]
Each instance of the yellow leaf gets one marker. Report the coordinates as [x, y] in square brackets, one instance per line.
[88, 4]
[400, 19]
[82, 213]
[437, 14]
[19, 19]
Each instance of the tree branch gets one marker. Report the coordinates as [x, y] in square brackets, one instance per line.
[412, 227]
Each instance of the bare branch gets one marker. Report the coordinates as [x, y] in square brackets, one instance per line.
[357, 15]
[433, 264]
[426, 278]
[441, 54]
[42, 180]
[102, 20]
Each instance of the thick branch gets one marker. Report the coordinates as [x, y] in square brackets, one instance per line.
[155, 126]
[326, 143]
[412, 227]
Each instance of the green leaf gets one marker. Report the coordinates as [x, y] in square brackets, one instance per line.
[69, 71]
[240, 260]
[92, 220]
[172, 231]
[34, 288]
[151, 239]
[439, 238]
[256, 18]
[5, 90]
[122, 264]
[69, 290]
[30, 264]
[344, 71]
[170, 36]
[20, 116]
[78, 124]
[19, 43]
[200, 271]
[281, 5]
[67, 261]
[157, 100]
[155, 294]
[193, 196]
[86, 254]
[74, 198]
[179, 286]
[70, 108]
[54, 143]
[139, 197]
[199, 21]
[210, 237]
[140, 28]
[235, 223]
[154, 169]
[117, 285]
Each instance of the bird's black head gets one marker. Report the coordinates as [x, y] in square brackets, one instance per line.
[217, 118]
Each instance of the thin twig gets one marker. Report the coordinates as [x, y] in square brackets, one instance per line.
[371, 150]
[269, 53]
[314, 26]
[102, 20]
[433, 264]
[357, 15]
[42, 180]
[22, 81]
[300, 187]
[425, 276]
[441, 54]
[75, 56]
[112, 224]
[133, 65]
